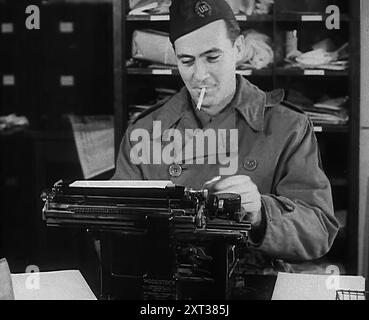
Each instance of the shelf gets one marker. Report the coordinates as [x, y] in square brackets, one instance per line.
[165, 17]
[330, 128]
[250, 72]
[175, 72]
[280, 71]
[338, 182]
[148, 17]
[307, 17]
[267, 72]
[153, 72]
[255, 18]
[297, 17]
[281, 77]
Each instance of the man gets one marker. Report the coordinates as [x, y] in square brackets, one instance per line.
[283, 189]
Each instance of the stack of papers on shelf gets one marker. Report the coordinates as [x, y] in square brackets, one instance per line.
[144, 7]
[94, 138]
[329, 111]
[162, 66]
[251, 7]
[331, 104]
[153, 46]
[13, 121]
[320, 57]
[263, 6]
[333, 66]
[326, 119]
[258, 51]
[326, 111]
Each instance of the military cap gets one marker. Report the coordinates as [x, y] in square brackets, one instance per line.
[189, 15]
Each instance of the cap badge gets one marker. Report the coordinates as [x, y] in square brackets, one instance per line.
[203, 9]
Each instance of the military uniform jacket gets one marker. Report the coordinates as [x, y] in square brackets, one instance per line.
[277, 149]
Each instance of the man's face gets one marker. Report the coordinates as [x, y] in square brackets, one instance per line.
[207, 58]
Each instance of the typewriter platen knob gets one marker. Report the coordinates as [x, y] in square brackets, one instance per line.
[231, 203]
[225, 205]
[201, 194]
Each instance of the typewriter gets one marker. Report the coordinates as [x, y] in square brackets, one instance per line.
[158, 240]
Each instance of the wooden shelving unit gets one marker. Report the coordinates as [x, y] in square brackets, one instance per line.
[277, 76]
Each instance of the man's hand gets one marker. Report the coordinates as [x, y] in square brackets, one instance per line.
[242, 185]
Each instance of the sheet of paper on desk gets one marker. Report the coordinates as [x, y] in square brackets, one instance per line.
[297, 286]
[56, 285]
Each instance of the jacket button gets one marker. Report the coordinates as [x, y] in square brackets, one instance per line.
[175, 170]
[250, 165]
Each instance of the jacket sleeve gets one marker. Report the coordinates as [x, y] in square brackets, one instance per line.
[299, 217]
[125, 169]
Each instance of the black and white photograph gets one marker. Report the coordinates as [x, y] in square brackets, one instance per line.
[203, 152]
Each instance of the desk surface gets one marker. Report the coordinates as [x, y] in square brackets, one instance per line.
[70, 285]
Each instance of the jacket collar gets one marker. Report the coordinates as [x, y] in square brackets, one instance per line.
[174, 109]
[249, 100]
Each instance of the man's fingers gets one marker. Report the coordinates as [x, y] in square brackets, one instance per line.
[232, 181]
[243, 186]
[240, 189]
[237, 190]
[208, 183]
[251, 207]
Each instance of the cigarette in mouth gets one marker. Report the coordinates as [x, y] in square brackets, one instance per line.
[201, 99]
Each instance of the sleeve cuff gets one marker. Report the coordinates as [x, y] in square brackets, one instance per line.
[256, 235]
